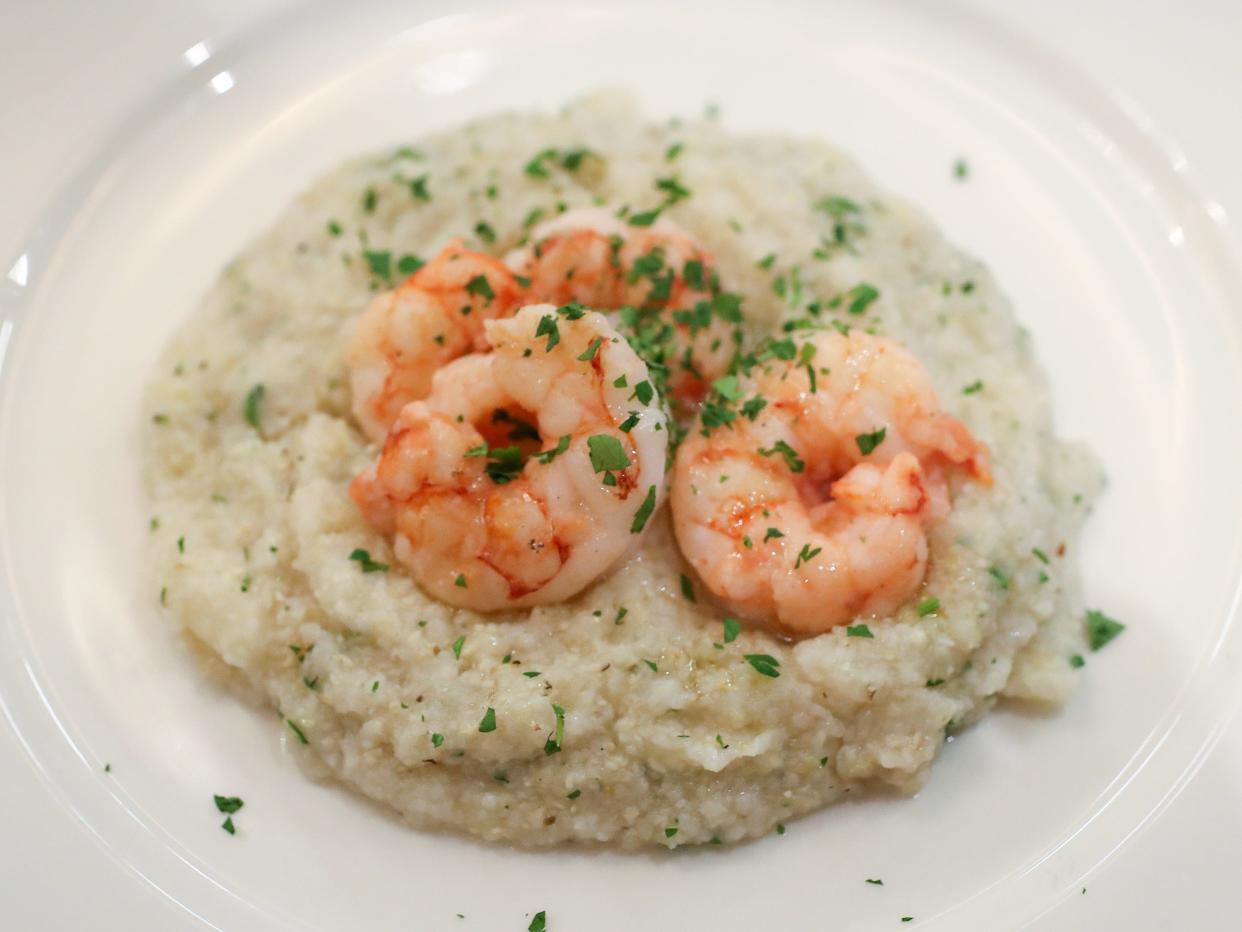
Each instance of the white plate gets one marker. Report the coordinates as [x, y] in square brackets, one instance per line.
[1121, 269]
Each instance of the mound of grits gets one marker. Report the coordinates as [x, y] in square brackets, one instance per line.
[671, 735]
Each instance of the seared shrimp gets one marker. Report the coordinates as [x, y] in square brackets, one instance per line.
[406, 334]
[810, 507]
[526, 473]
[658, 272]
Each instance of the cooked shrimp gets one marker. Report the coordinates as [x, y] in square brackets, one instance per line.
[406, 334]
[526, 473]
[810, 507]
[659, 272]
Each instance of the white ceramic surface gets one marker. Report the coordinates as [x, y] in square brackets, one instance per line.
[1117, 253]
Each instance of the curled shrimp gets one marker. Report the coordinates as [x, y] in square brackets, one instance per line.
[809, 506]
[658, 273]
[526, 473]
[408, 333]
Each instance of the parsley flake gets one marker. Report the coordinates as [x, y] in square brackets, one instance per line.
[363, 559]
[868, 442]
[928, 606]
[488, 722]
[380, 263]
[764, 664]
[644, 511]
[547, 328]
[253, 404]
[998, 574]
[555, 742]
[606, 453]
[480, 286]
[858, 631]
[687, 588]
[792, 460]
[732, 628]
[458, 645]
[1101, 629]
[859, 297]
[293, 727]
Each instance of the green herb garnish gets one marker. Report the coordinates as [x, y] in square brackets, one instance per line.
[1101, 629]
[764, 664]
[868, 442]
[251, 409]
[363, 559]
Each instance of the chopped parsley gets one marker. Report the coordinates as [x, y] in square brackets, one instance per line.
[868, 442]
[485, 232]
[1040, 555]
[547, 328]
[589, 353]
[806, 554]
[629, 423]
[228, 804]
[960, 169]
[673, 190]
[670, 831]
[999, 575]
[293, 727]
[363, 559]
[860, 296]
[792, 460]
[555, 742]
[764, 664]
[573, 794]
[504, 464]
[488, 722]
[652, 665]
[673, 151]
[437, 739]
[251, 409]
[379, 262]
[539, 923]
[1101, 629]
[606, 453]
[928, 606]
[973, 387]
[858, 631]
[458, 645]
[687, 588]
[1076, 661]
[460, 581]
[732, 628]
[876, 881]
[479, 285]
[369, 200]
[644, 392]
[418, 188]
[548, 456]
[334, 228]
[644, 511]
[530, 674]
[771, 533]
[646, 218]
[409, 264]
[569, 159]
